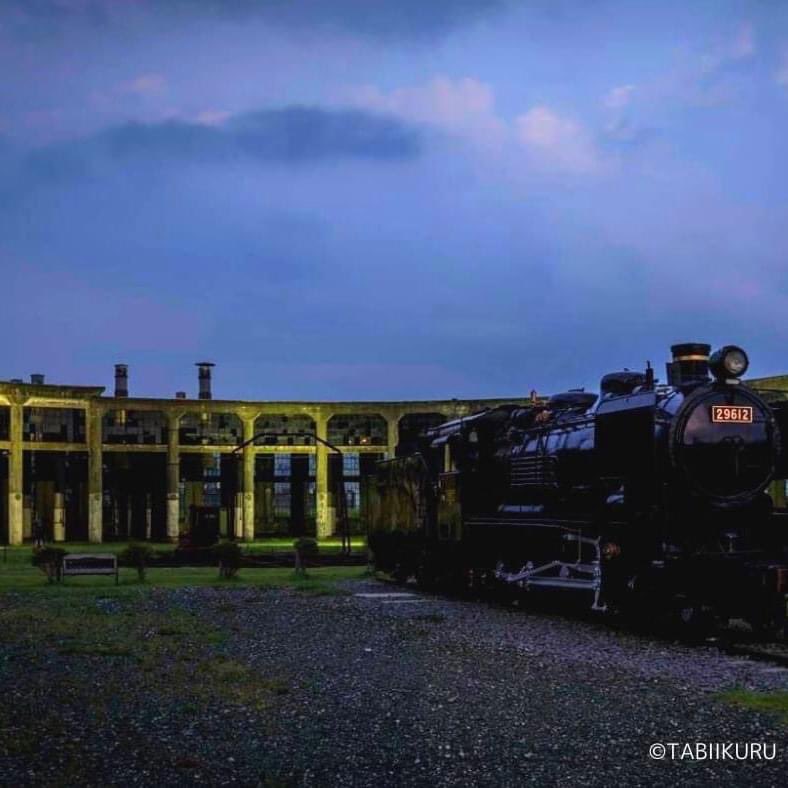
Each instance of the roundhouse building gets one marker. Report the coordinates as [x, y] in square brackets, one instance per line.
[78, 465]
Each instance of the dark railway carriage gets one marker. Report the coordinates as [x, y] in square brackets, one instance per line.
[645, 495]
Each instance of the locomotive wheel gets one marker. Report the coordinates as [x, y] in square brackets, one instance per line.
[400, 574]
[426, 573]
[769, 622]
[694, 621]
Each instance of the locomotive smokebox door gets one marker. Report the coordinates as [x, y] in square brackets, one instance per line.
[624, 442]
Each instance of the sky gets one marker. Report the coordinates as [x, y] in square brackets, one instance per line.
[389, 199]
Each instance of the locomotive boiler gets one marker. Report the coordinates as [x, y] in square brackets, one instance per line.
[645, 495]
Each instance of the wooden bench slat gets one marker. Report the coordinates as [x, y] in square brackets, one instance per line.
[91, 564]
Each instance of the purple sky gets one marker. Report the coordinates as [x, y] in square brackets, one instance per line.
[379, 199]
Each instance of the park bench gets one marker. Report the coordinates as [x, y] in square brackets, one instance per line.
[90, 564]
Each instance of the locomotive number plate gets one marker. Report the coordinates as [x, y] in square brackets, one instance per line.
[741, 414]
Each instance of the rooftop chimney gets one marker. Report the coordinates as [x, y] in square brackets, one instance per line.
[180, 395]
[205, 378]
[37, 379]
[690, 363]
[121, 380]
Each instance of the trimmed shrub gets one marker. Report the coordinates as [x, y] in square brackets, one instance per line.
[229, 556]
[138, 556]
[49, 560]
[305, 548]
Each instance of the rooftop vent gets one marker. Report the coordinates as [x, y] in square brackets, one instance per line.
[204, 376]
[121, 380]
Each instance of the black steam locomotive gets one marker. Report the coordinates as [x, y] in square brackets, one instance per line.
[645, 496]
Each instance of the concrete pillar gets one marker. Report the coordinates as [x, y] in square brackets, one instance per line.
[148, 517]
[238, 516]
[129, 512]
[325, 525]
[95, 476]
[27, 517]
[59, 503]
[15, 470]
[248, 481]
[59, 518]
[173, 479]
[392, 423]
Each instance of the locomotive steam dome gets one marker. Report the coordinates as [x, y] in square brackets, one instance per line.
[724, 442]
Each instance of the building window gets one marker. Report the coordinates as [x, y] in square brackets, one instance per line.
[212, 486]
[353, 498]
[135, 427]
[350, 464]
[284, 430]
[282, 499]
[5, 423]
[282, 465]
[54, 425]
[205, 429]
[357, 430]
[311, 495]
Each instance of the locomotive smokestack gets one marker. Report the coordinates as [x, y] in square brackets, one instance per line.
[690, 363]
[205, 378]
[121, 380]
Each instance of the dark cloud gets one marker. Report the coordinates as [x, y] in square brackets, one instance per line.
[291, 135]
[300, 133]
[380, 18]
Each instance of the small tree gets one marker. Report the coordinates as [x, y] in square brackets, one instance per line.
[138, 556]
[305, 548]
[49, 560]
[228, 554]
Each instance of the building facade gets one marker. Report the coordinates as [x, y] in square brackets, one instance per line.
[78, 465]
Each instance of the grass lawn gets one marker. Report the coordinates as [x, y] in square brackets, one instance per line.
[96, 653]
[19, 575]
[278, 545]
[771, 702]
[89, 654]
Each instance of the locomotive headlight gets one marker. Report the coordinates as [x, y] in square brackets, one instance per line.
[728, 362]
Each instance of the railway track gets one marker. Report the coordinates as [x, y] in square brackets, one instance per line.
[775, 652]
[734, 641]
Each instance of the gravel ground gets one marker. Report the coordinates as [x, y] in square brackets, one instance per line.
[376, 690]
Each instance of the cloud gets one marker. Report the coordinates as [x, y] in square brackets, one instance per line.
[557, 143]
[781, 76]
[144, 85]
[211, 117]
[618, 97]
[742, 44]
[465, 107]
[737, 47]
[309, 133]
[291, 135]
[382, 18]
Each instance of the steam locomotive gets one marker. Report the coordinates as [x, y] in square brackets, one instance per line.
[645, 497]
